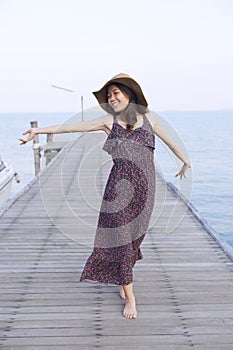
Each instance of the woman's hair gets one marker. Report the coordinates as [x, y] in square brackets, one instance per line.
[129, 114]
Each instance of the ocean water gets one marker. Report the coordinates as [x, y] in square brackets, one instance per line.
[206, 137]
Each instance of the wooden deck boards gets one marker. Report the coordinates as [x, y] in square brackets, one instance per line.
[183, 285]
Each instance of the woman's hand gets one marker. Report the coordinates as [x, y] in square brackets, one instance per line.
[183, 171]
[32, 133]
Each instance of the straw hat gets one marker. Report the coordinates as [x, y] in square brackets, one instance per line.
[126, 80]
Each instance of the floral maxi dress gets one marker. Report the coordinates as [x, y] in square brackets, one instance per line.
[126, 206]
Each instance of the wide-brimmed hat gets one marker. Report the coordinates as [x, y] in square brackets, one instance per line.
[126, 80]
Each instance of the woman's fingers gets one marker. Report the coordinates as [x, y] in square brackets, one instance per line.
[26, 132]
[22, 141]
[30, 137]
[181, 173]
[178, 174]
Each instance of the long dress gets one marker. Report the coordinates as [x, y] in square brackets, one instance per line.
[126, 206]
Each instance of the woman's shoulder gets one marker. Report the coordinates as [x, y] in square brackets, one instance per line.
[107, 122]
[153, 118]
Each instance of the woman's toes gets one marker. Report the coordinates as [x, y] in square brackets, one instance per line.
[130, 311]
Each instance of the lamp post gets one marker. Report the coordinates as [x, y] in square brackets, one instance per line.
[69, 90]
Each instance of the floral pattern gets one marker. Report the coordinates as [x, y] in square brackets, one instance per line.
[126, 207]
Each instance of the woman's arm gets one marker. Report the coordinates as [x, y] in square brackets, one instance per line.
[82, 126]
[161, 132]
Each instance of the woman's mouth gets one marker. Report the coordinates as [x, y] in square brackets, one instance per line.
[114, 104]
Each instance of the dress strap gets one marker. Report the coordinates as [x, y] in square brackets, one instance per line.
[147, 123]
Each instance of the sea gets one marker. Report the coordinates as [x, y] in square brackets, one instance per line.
[206, 138]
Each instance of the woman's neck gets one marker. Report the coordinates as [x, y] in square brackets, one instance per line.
[121, 116]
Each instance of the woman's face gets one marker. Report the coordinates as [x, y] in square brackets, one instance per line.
[117, 99]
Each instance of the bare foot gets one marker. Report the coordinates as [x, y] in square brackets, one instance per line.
[122, 292]
[130, 310]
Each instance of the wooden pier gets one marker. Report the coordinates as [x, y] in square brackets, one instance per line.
[183, 286]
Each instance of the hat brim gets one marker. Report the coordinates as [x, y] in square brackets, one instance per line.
[101, 95]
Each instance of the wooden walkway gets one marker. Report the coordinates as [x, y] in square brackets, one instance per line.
[183, 286]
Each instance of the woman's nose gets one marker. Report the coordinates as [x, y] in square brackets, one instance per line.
[111, 98]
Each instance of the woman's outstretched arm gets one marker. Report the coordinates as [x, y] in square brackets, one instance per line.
[161, 132]
[82, 126]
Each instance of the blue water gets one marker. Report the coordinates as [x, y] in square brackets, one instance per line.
[208, 139]
[207, 136]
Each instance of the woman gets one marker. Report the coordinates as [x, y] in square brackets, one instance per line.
[129, 194]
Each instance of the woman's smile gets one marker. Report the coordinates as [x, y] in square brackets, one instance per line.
[117, 100]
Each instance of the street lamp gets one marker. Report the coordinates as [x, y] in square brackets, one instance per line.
[69, 90]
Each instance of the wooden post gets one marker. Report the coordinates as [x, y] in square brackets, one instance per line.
[82, 106]
[36, 149]
[49, 137]
[48, 153]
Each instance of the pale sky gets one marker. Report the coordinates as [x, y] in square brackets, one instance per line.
[180, 51]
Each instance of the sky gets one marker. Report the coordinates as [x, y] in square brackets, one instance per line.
[180, 51]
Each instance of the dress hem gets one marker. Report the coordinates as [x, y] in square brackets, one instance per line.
[105, 283]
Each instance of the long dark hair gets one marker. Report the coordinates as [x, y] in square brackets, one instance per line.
[129, 115]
